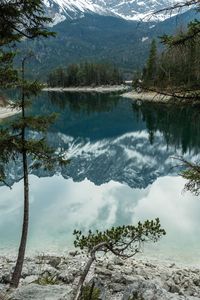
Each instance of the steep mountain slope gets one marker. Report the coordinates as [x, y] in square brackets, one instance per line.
[60, 10]
[137, 9]
[92, 38]
[100, 38]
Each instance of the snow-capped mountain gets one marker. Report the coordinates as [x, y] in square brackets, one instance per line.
[137, 9]
[60, 10]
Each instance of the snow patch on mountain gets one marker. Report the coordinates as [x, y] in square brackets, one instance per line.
[135, 10]
[74, 5]
[139, 10]
[144, 39]
[57, 18]
[59, 10]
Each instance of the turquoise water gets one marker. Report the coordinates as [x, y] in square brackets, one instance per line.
[121, 171]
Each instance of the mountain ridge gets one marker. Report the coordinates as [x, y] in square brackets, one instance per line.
[60, 10]
[135, 10]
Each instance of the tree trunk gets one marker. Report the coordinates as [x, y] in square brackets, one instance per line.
[21, 252]
[22, 248]
[96, 248]
[91, 290]
[83, 276]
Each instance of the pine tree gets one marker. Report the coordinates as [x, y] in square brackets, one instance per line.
[177, 67]
[195, 28]
[20, 18]
[17, 144]
[122, 241]
[151, 64]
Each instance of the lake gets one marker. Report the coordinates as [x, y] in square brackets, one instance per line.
[122, 169]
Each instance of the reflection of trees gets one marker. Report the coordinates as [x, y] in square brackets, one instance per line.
[85, 102]
[78, 113]
[84, 114]
[179, 125]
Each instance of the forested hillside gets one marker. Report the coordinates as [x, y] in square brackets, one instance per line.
[100, 38]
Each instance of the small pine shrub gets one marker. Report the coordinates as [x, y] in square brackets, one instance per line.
[136, 296]
[90, 293]
[47, 280]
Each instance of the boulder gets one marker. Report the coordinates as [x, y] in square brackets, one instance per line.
[148, 290]
[38, 292]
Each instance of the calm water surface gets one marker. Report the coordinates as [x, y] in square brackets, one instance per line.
[121, 171]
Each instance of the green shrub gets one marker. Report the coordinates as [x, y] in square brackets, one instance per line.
[47, 280]
[136, 296]
[90, 293]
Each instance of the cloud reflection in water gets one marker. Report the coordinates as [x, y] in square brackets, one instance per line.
[58, 206]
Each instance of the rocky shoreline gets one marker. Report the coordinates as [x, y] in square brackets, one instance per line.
[89, 89]
[154, 97]
[55, 278]
[8, 111]
[148, 96]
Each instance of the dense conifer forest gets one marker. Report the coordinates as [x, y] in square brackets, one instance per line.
[178, 66]
[85, 74]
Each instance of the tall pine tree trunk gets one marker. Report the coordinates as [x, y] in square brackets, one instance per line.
[21, 253]
[22, 248]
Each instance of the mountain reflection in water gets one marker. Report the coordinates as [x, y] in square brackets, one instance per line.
[111, 138]
[120, 172]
